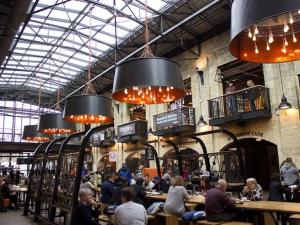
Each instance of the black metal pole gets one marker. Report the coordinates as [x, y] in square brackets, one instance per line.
[39, 192]
[84, 143]
[27, 201]
[58, 170]
[156, 158]
[178, 157]
[204, 149]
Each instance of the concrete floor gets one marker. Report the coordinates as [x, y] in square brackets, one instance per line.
[14, 218]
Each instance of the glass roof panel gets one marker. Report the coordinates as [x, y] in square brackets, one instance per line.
[55, 48]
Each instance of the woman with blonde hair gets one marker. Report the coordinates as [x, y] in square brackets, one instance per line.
[177, 195]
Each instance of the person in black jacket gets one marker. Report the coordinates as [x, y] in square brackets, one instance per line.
[276, 194]
[85, 214]
[120, 183]
[139, 191]
[107, 189]
[276, 189]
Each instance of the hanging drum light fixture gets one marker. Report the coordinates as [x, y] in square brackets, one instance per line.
[53, 123]
[265, 31]
[148, 79]
[30, 134]
[89, 107]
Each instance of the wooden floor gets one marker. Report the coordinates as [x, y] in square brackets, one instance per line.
[12, 217]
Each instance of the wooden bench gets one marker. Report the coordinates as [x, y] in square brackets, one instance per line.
[237, 223]
[206, 222]
[294, 219]
[170, 219]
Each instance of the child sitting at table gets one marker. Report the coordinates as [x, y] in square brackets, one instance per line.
[252, 191]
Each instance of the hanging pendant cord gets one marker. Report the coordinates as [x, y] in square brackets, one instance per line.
[58, 108]
[281, 79]
[147, 52]
[89, 86]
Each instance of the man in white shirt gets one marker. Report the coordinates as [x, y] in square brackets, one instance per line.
[129, 212]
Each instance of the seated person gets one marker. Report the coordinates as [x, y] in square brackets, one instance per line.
[148, 184]
[204, 184]
[218, 204]
[86, 183]
[139, 191]
[107, 189]
[252, 191]
[85, 213]
[276, 189]
[119, 184]
[177, 194]
[129, 212]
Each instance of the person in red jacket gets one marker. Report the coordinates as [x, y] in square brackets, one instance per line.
[218, 204]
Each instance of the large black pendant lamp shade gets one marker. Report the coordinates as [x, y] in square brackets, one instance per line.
[88, 109]
[265, 31]
[54, 124]
[30, 134]
[148, 81]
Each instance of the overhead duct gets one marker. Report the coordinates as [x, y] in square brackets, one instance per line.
[17, 15]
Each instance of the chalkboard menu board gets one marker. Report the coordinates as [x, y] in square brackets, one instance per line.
[24, 160]
[132, 131]
[103, 138]
[179, 117]
[126, 130]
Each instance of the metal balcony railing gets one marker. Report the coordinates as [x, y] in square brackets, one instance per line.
[248, 100]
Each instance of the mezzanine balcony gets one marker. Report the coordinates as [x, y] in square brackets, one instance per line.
[249, 103]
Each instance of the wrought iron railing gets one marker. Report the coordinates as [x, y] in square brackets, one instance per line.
[247, 100]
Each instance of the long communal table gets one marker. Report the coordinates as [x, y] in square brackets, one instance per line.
[263, 206]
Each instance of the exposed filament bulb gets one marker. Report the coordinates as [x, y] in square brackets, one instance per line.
[291, 19]
[286, 27]
[294, 38]
[254, 37]
[286, 42]
[249, 33]
[268, 46]
[126, 91]
[271, 38]
[256, 49]
[256, 30]
[160, 90]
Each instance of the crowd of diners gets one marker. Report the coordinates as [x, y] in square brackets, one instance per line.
[10, 180]
[125, 196]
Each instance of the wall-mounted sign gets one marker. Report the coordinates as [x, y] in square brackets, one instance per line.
[258, 134]
[24, 160]
[113, 156]
[126, 130]
[132, 131]
[179, 117]
[149, 154]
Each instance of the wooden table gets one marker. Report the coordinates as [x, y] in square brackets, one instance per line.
[266, 206]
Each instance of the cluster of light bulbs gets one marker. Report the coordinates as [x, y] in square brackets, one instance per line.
[37, 139]
[145, 94]
[252, 34]
[87, 119]
[56, 131]
[138, 107]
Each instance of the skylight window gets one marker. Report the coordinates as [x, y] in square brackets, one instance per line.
[55, 46]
